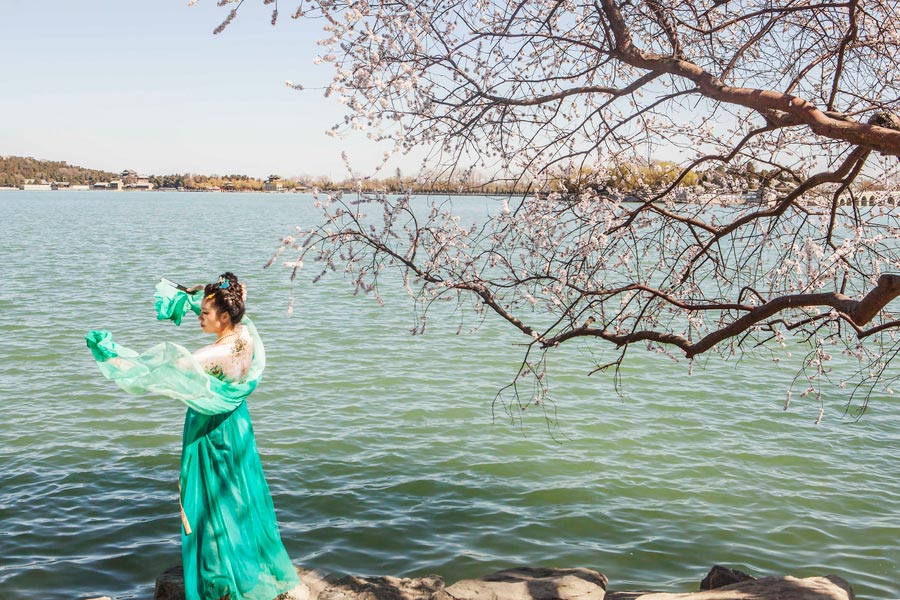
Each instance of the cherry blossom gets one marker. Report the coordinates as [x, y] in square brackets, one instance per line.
[564, 100]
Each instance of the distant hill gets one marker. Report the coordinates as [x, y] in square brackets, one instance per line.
[15, 170]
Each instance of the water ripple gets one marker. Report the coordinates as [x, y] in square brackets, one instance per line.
[383, 451]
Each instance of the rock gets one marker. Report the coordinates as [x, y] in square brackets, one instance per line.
[312, 582]
[300, 592]
[530, 584]
[170, 584]
[720, 576]
[830, 587]
[382, 588]
[318, 585]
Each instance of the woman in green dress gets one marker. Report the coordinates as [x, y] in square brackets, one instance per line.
[231, 547]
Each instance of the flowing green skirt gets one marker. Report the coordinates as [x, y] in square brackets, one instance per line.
[234, 546]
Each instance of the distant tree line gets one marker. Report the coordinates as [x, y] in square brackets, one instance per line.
[626, 177]
[16, 170]
[660, 174]
[192, 181]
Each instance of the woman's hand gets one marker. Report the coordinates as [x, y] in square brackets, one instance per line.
[194, 289]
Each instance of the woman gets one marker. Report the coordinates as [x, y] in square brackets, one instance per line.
[230, 543]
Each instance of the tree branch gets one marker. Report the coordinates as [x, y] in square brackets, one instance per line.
[859, 311]
[786, 109]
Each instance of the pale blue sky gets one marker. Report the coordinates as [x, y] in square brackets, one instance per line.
[145, 85]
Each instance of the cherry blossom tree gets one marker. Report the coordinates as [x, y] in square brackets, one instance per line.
[557, 96]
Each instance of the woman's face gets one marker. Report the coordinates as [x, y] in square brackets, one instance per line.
[212, 320]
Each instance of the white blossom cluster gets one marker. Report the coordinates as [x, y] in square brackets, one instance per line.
[537, 91]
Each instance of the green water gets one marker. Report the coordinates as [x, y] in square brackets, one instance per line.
[383, 450]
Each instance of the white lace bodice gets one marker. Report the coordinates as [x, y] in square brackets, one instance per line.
[228, 359]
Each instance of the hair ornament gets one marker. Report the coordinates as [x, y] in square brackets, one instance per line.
[224, 284]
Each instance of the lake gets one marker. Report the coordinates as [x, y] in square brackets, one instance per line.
[385, 452]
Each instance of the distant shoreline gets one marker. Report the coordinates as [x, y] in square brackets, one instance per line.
[30, 174]
[713, 198]
[291, 191]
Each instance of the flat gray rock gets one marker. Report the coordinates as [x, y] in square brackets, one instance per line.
[530, 583]
[526, 583]
[381, 588]
[318, 585]
[830, 587]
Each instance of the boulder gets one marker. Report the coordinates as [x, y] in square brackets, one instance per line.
[312, 582]
[381, 588]
[830, 587]
[529, 583]
[317, 585]
[170, 584]
[533, 584]
[720, 576]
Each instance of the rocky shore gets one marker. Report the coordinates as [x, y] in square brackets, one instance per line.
[531, 583]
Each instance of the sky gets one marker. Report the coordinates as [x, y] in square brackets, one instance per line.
[145, 85]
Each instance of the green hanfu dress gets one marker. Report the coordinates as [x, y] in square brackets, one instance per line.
[230, 542]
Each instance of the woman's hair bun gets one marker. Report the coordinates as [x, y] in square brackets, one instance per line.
[228, 295]
[234, 286]
[230, 277]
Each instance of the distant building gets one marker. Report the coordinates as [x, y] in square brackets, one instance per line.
[31, 187]
[274, 185]
[112, 185]
[133, 181]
